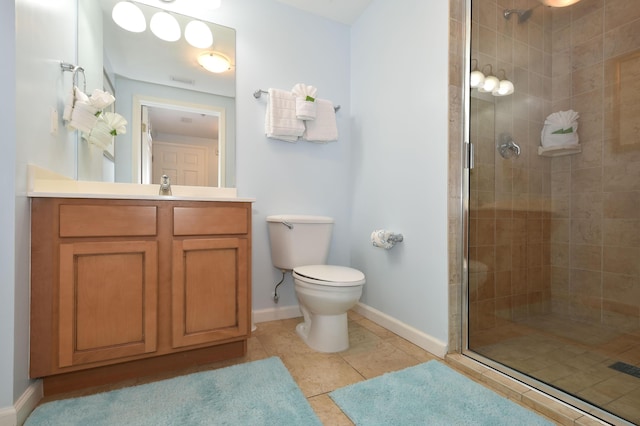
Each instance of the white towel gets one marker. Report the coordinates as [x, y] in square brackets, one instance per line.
[560, 129]
[306, 110]
[280, 120]
[324, 128]
[305, 101]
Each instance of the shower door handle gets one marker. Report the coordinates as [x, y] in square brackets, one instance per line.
[469, 151]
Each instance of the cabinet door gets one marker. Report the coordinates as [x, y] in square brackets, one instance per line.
[209, 290]
[107, 300]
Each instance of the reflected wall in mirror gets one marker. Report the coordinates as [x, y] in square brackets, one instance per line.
[145, 71]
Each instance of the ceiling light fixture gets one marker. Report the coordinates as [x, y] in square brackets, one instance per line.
[129, 17]
[214, 62]
[198, 34]
[165, 27]
[558, 3]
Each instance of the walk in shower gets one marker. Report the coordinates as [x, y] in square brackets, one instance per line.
[553, 231]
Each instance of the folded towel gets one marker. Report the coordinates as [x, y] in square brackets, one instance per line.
[83, 117]
[324, 128]
[305, 101]
[280, 119]
[560, 129]
[305, 110]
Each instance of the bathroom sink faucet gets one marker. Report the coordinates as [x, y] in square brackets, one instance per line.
[165, 186]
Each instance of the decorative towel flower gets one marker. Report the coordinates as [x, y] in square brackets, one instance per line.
[109, 124]
[303, 91]
[115, 122]
[101, 99]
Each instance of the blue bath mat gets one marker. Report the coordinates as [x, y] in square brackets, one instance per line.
[429, 394]
[256, 393]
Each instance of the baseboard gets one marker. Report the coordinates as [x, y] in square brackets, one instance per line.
[16, 415]
[277, 313]
[415, 336]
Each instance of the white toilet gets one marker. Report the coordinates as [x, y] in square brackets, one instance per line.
[325, 292]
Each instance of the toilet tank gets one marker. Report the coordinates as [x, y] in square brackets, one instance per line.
[299, 240]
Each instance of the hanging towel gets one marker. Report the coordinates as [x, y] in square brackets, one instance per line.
[305, 101]
[280, 120]
[324, 128]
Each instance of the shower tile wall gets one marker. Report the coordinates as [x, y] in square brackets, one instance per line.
[510, 223]
[558, 234]
[456, 125]
[595, 238]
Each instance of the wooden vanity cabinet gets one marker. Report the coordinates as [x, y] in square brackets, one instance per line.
[121, 288]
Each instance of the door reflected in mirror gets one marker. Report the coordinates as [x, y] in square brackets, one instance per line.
[183, 142]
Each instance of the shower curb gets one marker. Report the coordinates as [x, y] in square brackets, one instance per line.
[530, 398]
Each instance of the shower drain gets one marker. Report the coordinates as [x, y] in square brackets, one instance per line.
[626, 368]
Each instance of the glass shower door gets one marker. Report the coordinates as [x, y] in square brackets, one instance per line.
[554, 234]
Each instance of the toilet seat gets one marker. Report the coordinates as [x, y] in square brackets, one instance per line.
[330, 275]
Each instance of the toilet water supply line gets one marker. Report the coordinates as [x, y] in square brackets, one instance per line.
[275, 291]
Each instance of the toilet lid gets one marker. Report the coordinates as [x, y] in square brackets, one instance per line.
[331, 275]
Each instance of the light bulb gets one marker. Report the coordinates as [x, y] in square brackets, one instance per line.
[198, 34]
[129, 17]
[490, 83]
[476, 79]
[504, 88]
[165, 27]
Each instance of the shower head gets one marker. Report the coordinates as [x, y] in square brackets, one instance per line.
[523, 15]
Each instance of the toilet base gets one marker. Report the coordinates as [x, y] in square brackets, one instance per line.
[325, 333]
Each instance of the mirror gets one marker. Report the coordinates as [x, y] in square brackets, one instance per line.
[167, 98]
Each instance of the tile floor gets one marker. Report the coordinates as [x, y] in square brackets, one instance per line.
[571, 356]
[373, 352]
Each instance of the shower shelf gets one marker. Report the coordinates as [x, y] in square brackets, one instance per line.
[558, 151]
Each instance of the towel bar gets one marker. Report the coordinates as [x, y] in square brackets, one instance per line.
[258, 93]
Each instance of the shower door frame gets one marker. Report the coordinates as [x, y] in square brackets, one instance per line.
[467, 165]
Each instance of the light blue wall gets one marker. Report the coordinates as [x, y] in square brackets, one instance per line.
[387, 170]
[399, 95]
[279, 46]
[37, 85]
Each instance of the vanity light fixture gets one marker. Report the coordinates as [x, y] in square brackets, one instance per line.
[558, 3]
[491, 82]
[214, 62]
[129, 16]
[476, 78]
[198, 34]
[213, 4]
[488, 83]
[505, 87]
[165, 26]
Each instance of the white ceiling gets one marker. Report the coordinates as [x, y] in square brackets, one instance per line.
[345, 11]
[183, 123]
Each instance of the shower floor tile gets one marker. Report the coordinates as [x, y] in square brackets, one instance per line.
[571, 356]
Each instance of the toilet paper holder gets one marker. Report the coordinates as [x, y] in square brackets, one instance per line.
[385, 239]
[395, 238]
